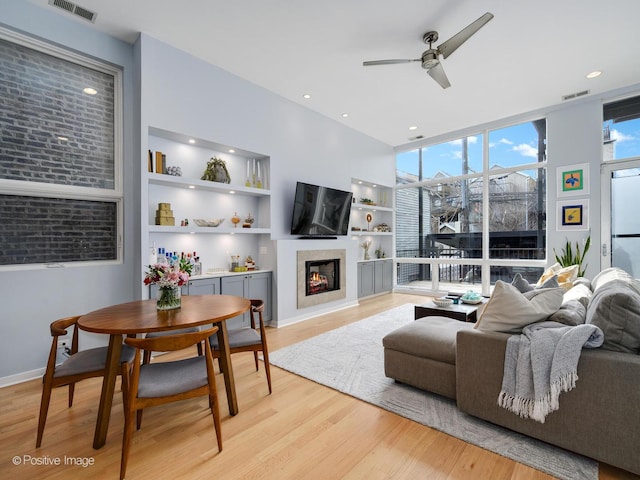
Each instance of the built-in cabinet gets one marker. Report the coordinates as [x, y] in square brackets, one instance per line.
[248, 285]
[222, 222]
[374, 277]
[252, 285]
[372, 223]
[372, 218]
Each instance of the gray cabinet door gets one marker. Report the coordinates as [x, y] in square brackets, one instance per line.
[259, 287]
[387, 275]
[251, 286]
[235, 285]
[365, 279]
[205, 286]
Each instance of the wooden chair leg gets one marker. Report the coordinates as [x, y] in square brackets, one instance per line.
[126, 440]
[72, 388]
[146, 357]
[267, 368]
[138, 419]
[44, 409]
[255, 359]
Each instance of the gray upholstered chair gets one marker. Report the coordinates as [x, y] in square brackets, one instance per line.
[165, 382]
[248, 339]
[79, 366]
[146, 358]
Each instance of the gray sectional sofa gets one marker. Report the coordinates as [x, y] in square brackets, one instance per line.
[599, 418]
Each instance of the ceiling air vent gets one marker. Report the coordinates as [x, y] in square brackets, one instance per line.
[571, 96]
[75, 9]
[416, 138]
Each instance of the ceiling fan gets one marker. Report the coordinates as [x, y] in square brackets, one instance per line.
[430, 58]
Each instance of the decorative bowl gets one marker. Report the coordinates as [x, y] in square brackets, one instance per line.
[208, 223]
[471, 302]
[443, 302]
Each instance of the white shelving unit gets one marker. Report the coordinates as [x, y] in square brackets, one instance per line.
[192, 198]
[374, 202]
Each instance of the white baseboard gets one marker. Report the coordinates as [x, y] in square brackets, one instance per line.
[21, 377]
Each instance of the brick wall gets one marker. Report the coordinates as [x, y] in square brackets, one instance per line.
[41, 98]
[41, 230]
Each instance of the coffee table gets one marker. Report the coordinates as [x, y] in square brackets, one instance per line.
[462, 311]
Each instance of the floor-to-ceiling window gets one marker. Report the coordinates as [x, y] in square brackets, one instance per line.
[472, 211]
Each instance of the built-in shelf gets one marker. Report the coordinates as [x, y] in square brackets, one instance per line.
[367, 234]
[365, 206]
[175, 181]
[206, 230]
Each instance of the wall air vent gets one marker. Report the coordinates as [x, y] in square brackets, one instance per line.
[571, 96]
[75, 9]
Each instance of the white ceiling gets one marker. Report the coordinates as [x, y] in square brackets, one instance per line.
[529, 56]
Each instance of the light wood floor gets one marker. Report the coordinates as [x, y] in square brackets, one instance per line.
[302, 431]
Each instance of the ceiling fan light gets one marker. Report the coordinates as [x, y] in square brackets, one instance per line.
[429, 59]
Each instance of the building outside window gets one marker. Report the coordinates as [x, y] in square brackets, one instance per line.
[472, 208]
[60, 156]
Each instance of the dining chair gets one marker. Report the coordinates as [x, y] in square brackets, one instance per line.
[248, 339]
[78, 366]
[146, 357]
[171, 381]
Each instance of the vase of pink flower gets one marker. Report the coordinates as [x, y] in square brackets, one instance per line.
[169, 277]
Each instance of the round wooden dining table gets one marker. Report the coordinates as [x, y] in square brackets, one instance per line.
[141, 317]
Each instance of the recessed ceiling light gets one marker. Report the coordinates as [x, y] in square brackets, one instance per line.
[345, 115]
[231, 150]
[192, 186]
[594, 74]
[413, 127]
[90, 91]
[232, 192]
[192, 141]
[306, 95]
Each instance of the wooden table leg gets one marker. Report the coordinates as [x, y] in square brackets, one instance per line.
[227, 369]
[108, 387]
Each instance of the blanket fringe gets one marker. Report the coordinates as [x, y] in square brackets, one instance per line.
[539, 408]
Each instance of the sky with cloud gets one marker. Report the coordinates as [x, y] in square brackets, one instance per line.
[510, 146]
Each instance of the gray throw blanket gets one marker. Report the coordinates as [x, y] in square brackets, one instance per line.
[542, 363]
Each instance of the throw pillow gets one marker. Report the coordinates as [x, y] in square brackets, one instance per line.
[570, 313]
[615, 308]
[510, 311]
[523, 286]
[566, 275]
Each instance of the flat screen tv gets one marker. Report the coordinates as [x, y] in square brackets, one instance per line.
[320, 211]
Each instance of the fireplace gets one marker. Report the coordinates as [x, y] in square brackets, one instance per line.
[321, 276]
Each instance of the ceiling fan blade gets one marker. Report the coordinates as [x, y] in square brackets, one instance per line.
[389, 62]
[451, 45]
[437, 73]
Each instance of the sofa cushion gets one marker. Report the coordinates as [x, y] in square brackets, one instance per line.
[571, 313]
[613, 273]
[510, 311]
[428, 337]
[579, 292]
[615, 308]
[523, 286]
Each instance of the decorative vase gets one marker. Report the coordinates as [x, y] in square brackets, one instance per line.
[168, 298]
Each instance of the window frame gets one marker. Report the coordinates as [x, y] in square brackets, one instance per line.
[52, 190]
[486, 262]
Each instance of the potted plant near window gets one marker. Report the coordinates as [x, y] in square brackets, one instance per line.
[570, 255]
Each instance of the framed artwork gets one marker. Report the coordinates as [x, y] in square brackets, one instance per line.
[573, 215]
[573, 179]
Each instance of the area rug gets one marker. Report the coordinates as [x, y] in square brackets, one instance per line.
[350, 359]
